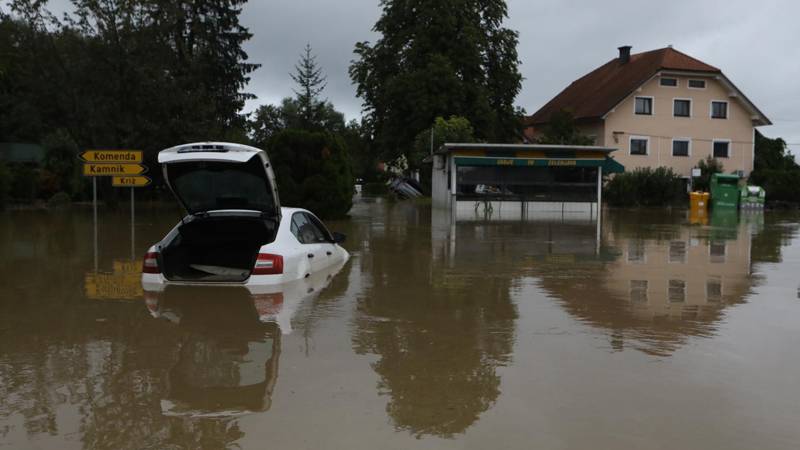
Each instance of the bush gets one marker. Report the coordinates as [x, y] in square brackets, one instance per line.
[646, 187]
[5, 184]
[60, 165]
[313, 171]
[780, 185]
[24, 180]
[59, 200]
[375, 188]
[708, 167]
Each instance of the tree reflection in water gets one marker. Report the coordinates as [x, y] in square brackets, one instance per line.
[440, 332]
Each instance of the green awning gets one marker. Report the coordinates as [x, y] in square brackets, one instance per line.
[611, 165]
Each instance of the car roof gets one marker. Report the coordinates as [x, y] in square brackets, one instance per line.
[287, 210]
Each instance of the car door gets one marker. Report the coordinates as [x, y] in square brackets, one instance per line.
[310, 238]
[327, 248]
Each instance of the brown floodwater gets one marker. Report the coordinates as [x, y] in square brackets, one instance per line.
[666, 333]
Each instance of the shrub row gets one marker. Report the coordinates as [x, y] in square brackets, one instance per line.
[646, 187]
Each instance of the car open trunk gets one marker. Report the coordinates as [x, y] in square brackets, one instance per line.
[216, 249]
[229, 192]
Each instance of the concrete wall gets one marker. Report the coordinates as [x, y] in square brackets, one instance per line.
[440, 195]
[662, 127]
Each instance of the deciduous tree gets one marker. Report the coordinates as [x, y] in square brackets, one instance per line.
[438, 58]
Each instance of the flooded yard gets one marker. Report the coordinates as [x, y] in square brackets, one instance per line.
[657, 331]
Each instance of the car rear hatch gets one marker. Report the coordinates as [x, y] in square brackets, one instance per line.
[221, 177]
[229, 192]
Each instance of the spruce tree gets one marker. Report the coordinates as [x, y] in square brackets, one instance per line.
[311, 82]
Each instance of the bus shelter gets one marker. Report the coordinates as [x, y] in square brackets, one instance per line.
[520, 181]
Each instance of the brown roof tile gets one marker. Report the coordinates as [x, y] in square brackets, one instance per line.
[596, 93]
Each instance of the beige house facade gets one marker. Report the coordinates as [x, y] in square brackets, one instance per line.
[661, 108]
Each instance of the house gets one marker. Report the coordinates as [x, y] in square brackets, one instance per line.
[660, 108]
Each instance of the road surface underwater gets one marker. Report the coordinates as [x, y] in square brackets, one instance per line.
[662, 334]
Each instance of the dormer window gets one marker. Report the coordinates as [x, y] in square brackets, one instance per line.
[669, 82]
[644, 106]
[697, 84]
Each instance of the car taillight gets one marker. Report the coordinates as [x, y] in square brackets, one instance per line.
[267, 264]
[150, 263]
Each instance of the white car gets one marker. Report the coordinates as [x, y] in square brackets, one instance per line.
[236, 232]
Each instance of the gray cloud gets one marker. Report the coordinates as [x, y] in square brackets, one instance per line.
[757, 45]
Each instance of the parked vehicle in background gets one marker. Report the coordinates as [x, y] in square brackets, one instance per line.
[235, 231]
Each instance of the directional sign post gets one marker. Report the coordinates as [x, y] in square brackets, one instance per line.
[134, 181]
[112, 156]
[125, 168]
[112, 170]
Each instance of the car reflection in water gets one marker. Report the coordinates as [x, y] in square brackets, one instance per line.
[231, 342]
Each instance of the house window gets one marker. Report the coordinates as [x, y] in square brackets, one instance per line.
[638, 291]
[721, 149]
[636, 251]
[677, 252]
[680, 147]
[639, 145]
[677, 291]
[697, 84]
[716, 251]
[644, 106]
[719, 110]
[714, 289]
[671, 82]
[682, 108]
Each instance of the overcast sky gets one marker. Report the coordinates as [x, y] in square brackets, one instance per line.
[756, 44]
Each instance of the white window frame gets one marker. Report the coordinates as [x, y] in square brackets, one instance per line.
[685, 252]
[646, 291]
[727, 109]
[635, 261]
[691, 108]
[680, 139]
[643, 138]
[688, 83]
[652, 105]
[721, 288]
[677, 82]
[685, 291]
[730, 147]
[724, 255]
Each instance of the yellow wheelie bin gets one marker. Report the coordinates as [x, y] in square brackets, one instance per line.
[698, 200]
[698, 208]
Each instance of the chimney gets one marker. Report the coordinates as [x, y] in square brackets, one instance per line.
[624, 54]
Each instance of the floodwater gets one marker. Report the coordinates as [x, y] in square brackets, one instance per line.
[664, 334]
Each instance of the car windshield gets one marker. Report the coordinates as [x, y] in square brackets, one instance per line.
[212, 185]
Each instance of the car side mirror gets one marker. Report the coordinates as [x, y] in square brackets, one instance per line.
[338, 238]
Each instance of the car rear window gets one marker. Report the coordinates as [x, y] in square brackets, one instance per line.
[213, 185]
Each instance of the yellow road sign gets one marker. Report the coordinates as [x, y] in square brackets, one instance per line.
[112, 156]
[124, 283]
[139, 181]
[107, 170]
[125, 266]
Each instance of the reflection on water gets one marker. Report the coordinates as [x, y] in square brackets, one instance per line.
[440, 346]
[227, 358]
[471, 331]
